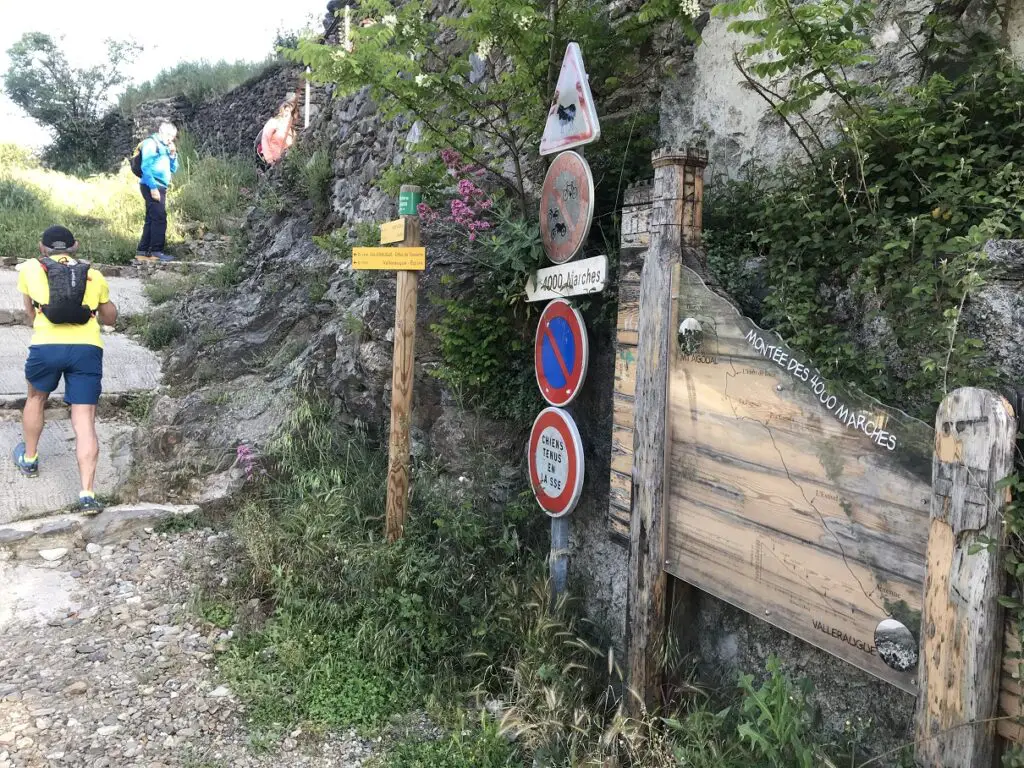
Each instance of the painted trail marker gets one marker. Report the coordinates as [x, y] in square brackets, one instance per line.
[576, 278]
[556, 462]
[392, 232]
[566, 207]
[389, 258]
[560, 352]
[572, 119]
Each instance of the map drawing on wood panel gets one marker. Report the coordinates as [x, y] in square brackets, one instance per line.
[801, 501]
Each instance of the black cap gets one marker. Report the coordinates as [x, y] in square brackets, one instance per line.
[58, 238]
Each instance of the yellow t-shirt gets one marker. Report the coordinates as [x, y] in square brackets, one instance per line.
[33, 283]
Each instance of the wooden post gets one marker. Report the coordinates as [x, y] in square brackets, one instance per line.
[962, 625]
[674, 221]
[401, 386]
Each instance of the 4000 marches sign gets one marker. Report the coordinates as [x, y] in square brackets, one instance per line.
[573, 279]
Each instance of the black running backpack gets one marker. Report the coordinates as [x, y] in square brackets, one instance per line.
[67, 292]
[135, 161]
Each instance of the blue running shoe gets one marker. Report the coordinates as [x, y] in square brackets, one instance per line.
[163, 258]
[88, 505]
[27, 468]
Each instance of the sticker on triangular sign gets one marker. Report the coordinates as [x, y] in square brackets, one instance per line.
[572, 119]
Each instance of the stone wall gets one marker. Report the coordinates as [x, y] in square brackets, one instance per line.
[229, 125]
[226, 125]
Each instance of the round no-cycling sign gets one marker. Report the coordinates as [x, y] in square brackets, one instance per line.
[560, 352]
[556, 462]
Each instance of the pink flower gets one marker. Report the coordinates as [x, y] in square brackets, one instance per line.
[450, 158]
[427, 214]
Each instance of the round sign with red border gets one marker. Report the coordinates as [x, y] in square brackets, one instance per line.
[556, 462]
[560, 352]
[566, 206]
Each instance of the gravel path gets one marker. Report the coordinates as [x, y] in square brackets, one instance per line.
[103, 664]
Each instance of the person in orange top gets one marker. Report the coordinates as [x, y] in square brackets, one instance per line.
[278, 134]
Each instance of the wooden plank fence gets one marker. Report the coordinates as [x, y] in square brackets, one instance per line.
[838, 519]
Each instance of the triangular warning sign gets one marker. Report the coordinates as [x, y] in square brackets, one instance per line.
[572, 119]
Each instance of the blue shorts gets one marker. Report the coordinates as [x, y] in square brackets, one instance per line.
[81, 365]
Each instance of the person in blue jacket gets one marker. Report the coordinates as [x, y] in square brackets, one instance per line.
[159, 162]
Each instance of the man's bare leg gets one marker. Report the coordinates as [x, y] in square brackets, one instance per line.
[32, 420]
[83, 421]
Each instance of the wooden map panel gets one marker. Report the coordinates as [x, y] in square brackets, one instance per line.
[798, 501]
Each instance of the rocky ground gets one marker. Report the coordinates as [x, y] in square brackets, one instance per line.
[103, 663]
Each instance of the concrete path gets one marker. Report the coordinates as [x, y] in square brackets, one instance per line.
[127, 365]
[126, 292]
[58, 484]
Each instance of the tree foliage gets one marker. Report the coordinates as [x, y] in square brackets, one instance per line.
[67, 99]
[479, 82]
[872, 251]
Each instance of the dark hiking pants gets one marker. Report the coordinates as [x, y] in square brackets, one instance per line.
[154, 233]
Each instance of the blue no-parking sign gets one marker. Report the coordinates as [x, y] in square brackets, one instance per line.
[561, 352]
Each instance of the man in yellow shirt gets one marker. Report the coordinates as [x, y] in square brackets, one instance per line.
[65, 301]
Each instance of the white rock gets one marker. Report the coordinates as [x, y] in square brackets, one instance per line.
[8, 739]
[220, 691]
[93, 548]
[52, 555]
[107, 730]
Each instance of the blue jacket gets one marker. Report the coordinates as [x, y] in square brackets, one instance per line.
[157, 164]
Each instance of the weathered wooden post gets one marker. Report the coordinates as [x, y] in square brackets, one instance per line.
[675, 223]
[962, 625]
[403, 372]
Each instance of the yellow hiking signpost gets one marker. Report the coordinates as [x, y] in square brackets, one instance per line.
[407, 259]
[392, 232]
[389, 258]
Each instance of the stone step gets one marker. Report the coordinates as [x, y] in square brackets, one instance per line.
[137, 269]
[46, 537]
[126, 292]
[127, 365]
[56, 488]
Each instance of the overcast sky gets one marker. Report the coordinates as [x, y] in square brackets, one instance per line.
[183, 30]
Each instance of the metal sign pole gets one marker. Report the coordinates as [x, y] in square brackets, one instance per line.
[308, 71]
[559, 560]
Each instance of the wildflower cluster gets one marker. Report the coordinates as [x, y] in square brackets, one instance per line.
[690, 8]
[472, 204]
[248, 460]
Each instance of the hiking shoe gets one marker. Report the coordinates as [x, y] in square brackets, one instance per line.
[163, 258]
[89, 505]
[27, 468]
[143, 256]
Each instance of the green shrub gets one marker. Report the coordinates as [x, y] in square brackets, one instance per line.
[211, 189]
[892, 219]
[197, 81]
[163, 290]
[428, 173]
[160, 330]
[307, 171]
[15, 156]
